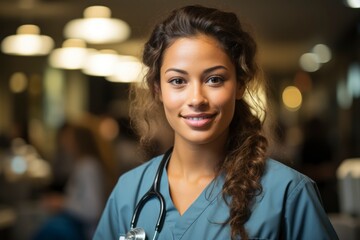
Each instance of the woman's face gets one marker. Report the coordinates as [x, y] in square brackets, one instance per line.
[198, 89]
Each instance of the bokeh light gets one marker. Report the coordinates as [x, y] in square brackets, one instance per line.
[292, 98]
[128, 69]
[343, 96]
[353, 3]
[108, 129]
[323, 52]
[27, 42]
[18, 82]
[309, 62]
[97, 27]
[101, 63]
[353, 80]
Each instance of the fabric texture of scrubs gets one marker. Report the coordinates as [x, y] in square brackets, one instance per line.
[288, 208]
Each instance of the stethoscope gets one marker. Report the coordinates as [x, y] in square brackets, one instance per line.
[137, 233]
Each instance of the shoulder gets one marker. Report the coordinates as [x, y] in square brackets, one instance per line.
[284, 178]
[289, 205]
[121, 203]
[280, 171]
[139, 179]
[145, 170]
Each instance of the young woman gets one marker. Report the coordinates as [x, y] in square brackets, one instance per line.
[216, 181]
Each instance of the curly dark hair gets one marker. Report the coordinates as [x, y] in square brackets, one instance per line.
[246, 147]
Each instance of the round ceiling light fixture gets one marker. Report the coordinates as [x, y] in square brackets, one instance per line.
[97, 27]
[27, 42]
[72, 55]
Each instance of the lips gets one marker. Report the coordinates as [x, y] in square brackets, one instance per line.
[198, 120]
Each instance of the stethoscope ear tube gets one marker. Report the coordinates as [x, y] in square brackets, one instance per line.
[154, 191]
[160, 221]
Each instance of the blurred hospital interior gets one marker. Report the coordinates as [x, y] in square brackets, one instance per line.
[64, 94]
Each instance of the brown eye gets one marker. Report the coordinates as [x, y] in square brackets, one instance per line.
[214, 80]
[177, 81]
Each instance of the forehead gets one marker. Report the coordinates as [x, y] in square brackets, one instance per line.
[199, 49]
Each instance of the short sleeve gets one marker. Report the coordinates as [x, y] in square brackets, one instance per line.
[109, 221]
[305, 217]
[116, 217]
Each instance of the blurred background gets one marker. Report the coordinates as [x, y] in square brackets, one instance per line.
[64, 89]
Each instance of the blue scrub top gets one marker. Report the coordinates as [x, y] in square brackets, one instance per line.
[289, 206]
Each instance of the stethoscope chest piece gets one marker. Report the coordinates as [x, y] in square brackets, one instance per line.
[136, 234]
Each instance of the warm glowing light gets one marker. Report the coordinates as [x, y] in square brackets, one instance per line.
[309, 62]
[128, 69]
[38, 168]
[108, 129]
[101, 63]
[353, 3]
[18, 82]
[97, 27]
[292, 98]
[349, 167]
[72, 55]
[323, 53]
[27, 42]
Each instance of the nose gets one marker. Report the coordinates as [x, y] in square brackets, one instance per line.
[197, 96]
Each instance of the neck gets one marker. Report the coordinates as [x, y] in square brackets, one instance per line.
[194, 162]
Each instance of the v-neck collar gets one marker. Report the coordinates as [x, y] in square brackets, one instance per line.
[179, 224]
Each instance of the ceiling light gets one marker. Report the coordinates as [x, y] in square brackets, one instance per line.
[27, 42]
[72, 55]
[101, 63]
[353, 3]
[97, 27]
[128, 69]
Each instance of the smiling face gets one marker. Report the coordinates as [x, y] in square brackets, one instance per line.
[198, 89]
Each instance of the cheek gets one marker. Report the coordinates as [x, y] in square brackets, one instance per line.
[225, 99]
[172, 101]
[173, 104]
[227, 105]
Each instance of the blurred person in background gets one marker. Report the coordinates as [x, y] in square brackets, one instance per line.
[76, 213]
[128, 153]
[62, 163]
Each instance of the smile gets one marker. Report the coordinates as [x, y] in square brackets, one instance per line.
[196, 118]
[198, 121]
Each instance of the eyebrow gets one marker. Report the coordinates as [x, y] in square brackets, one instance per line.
[205, 72]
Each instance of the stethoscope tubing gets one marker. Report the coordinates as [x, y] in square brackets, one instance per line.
[154, 192]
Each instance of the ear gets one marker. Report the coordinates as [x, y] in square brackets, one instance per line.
[240, 92]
